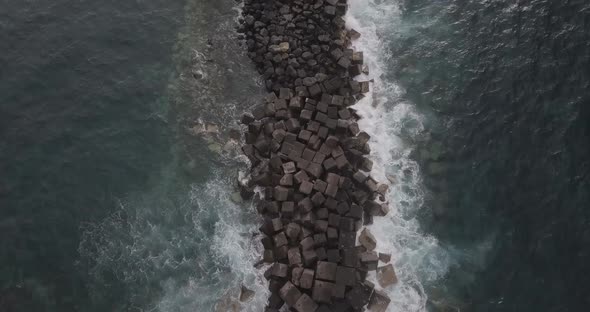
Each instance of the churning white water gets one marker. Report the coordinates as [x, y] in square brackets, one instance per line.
[387, 117]
[201, 247]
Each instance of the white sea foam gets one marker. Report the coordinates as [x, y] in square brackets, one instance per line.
[388, 118]
[143, 244]
[232, 251]
[199, 248]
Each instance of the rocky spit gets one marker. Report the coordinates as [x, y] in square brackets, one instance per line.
[310, 158]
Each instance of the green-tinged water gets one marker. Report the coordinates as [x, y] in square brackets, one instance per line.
[84, 120]
[116, 165]
[505, 86]
[117, 168]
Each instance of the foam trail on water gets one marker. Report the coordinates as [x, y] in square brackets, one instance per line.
[232, 252]
[417, 257]
[183, 254]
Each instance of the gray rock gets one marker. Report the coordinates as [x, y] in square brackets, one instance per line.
[246, 294]
[386, 276]
[367, 240]
[305, 304]
[290, 294]
[379, 301]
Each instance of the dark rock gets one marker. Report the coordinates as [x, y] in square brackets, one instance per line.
[247, 119]
[346, 224]
[350, 257]
[341, 162]
[305, 205]
[329, 164]
[364, 86]
[280, 193]
[333, 255]
[290, 294]
[280, 239]
[275, 301]
[289, 167]
[306, 279]
[280, 270]
[314, 90]
[384, 257]
[294, 256]
[309, 81]
[359, 296]
[315, 170]
[322, 291]
[318, 199]
[301, 176]
[332, 189]
[355, 212]
[280, 253]
[309, 257]
[293, 125]
[246, 294]
[334, 220]
[326, 271]
[367, 239]
[379, 301]
[346, 239]
[292, 231]
[306, 187]
[369, 259]
[321, 253]
[268, 256]
[344, 62]
[323, 213]
[288, 209]
[345, 276]
[296, 275]
[319, 239]
[286, 180]
[307, 243]
[276, 225]
[353, 34]
[305, 304]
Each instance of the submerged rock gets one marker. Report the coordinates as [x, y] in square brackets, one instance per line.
[246, 294]
[236, 197]
[215, 147]
[227, 304]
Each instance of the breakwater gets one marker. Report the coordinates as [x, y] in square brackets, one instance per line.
[309, 156]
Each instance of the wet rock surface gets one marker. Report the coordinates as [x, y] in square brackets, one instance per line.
[310, 157]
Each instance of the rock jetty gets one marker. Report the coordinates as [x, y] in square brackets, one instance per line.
[310, 157]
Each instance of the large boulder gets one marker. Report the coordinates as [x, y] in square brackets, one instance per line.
[386, 276]
[367, 239]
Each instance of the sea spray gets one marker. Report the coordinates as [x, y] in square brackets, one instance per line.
[199, 250]
[307, 151]
[183, 243]
[389, 119]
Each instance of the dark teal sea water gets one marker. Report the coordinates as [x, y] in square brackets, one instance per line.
[506, 87]
[117, 172]
[110, 192]
[83, 121]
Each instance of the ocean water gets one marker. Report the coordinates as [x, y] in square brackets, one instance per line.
[118, 162]
[84, 121]
[504, 88]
